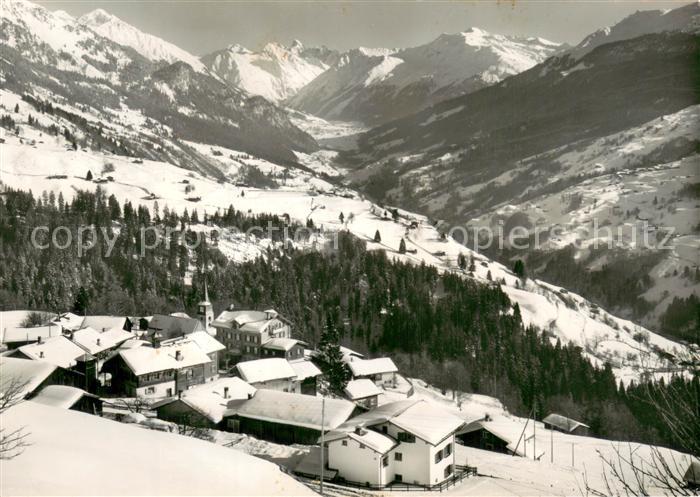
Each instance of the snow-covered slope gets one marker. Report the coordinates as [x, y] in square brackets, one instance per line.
[73, 453]
[151, 47]
[686, 18]
[563, 315]
[377, 85]
[276, 72]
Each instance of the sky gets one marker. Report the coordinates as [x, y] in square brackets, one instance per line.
[202, 26]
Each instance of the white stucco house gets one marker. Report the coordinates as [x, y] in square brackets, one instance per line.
[410, 441]
[270, 374]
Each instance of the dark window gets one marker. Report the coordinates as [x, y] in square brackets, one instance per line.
[398, 477]
[448, 470]
[385, 461]
[438, 456]
[398, 456]
[345, 443]
[362, 446]
[385, 429]
[447, 450]
[407, 437]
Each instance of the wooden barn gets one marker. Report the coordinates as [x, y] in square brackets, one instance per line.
[565, 425]
[286, 418]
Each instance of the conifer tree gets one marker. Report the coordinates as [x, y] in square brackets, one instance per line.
[330, 359]
[377, 237]
[88, 176]
[402, 246]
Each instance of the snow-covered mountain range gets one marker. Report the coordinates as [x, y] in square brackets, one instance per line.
[151, 47]
[374, 86]
[276, 72]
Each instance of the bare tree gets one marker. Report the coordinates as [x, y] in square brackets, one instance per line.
[12, 442]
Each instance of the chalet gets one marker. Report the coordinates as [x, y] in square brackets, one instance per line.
[365, 393]
[409, 441]
[244, 332]
[66, 397]
[104, 323]
[269, 374]
[13, 338]
[382, 371]
[501, 435]
[306, 375]
[160, 371]
[203, 405]
[32, 376]
[207, 343]
[286, 418]
[287, 348]
[565, 425]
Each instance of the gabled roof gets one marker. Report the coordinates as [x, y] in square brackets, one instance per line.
[563, 423]
[692, 474]
[361, 389]
[227, 318]
[376, 441]
[519, 437]
[284, 344]
[293, 409]
[208, 399]
[103, 323]
[69, 321]
[261, 370]
[174, 326]
[57, 350]
[95, 341]
[19, 335]
[24, 374]
[366, 367]
[61, 396]
[304, 368]
[144, 360]
[204, 341]
[423, 419]
[348, 353]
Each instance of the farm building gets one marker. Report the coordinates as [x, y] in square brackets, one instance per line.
[104, 323]
[306, 374]
[29, 377]
[363, 392]
[13, 338]
[382, 371]
[501, 435]
[203, 405]
[269, 374]
[566, 425]
[67, 397]
[286, 418]
[692, 476]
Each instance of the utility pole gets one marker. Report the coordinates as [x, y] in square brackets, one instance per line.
[534, 434]
[572, 454]
[551, 444]
[323, 441]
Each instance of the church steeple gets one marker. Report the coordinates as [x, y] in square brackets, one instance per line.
[205, 311]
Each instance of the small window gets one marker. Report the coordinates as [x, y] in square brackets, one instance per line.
[385, 429]
[447, 450]
[398, 477]
[398, 456]
[150, 390]
[362, 446]
[448, 470]
[345, 443]
[438, 456]
[407, 437]
[385, 461]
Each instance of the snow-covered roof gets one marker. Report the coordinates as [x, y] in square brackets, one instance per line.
[208, 399]
[57, 350]
[69, 321]
[366, 367]
[23, 372]
[173, 326]
[261, 370]
[144, 360]
[204, 341]
[227, 318]
[518, 437]
[563, 423]
[348, 353]
[124, 460]
[15, 335]
[304, 368]
[423, 419]
[284, 344]
[61, 396]
[98, 341]
[361, 389]
[293, 409]
[376, 441]
[692, 474]
[103, 323]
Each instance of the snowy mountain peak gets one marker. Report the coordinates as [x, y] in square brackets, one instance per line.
[150, 46]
